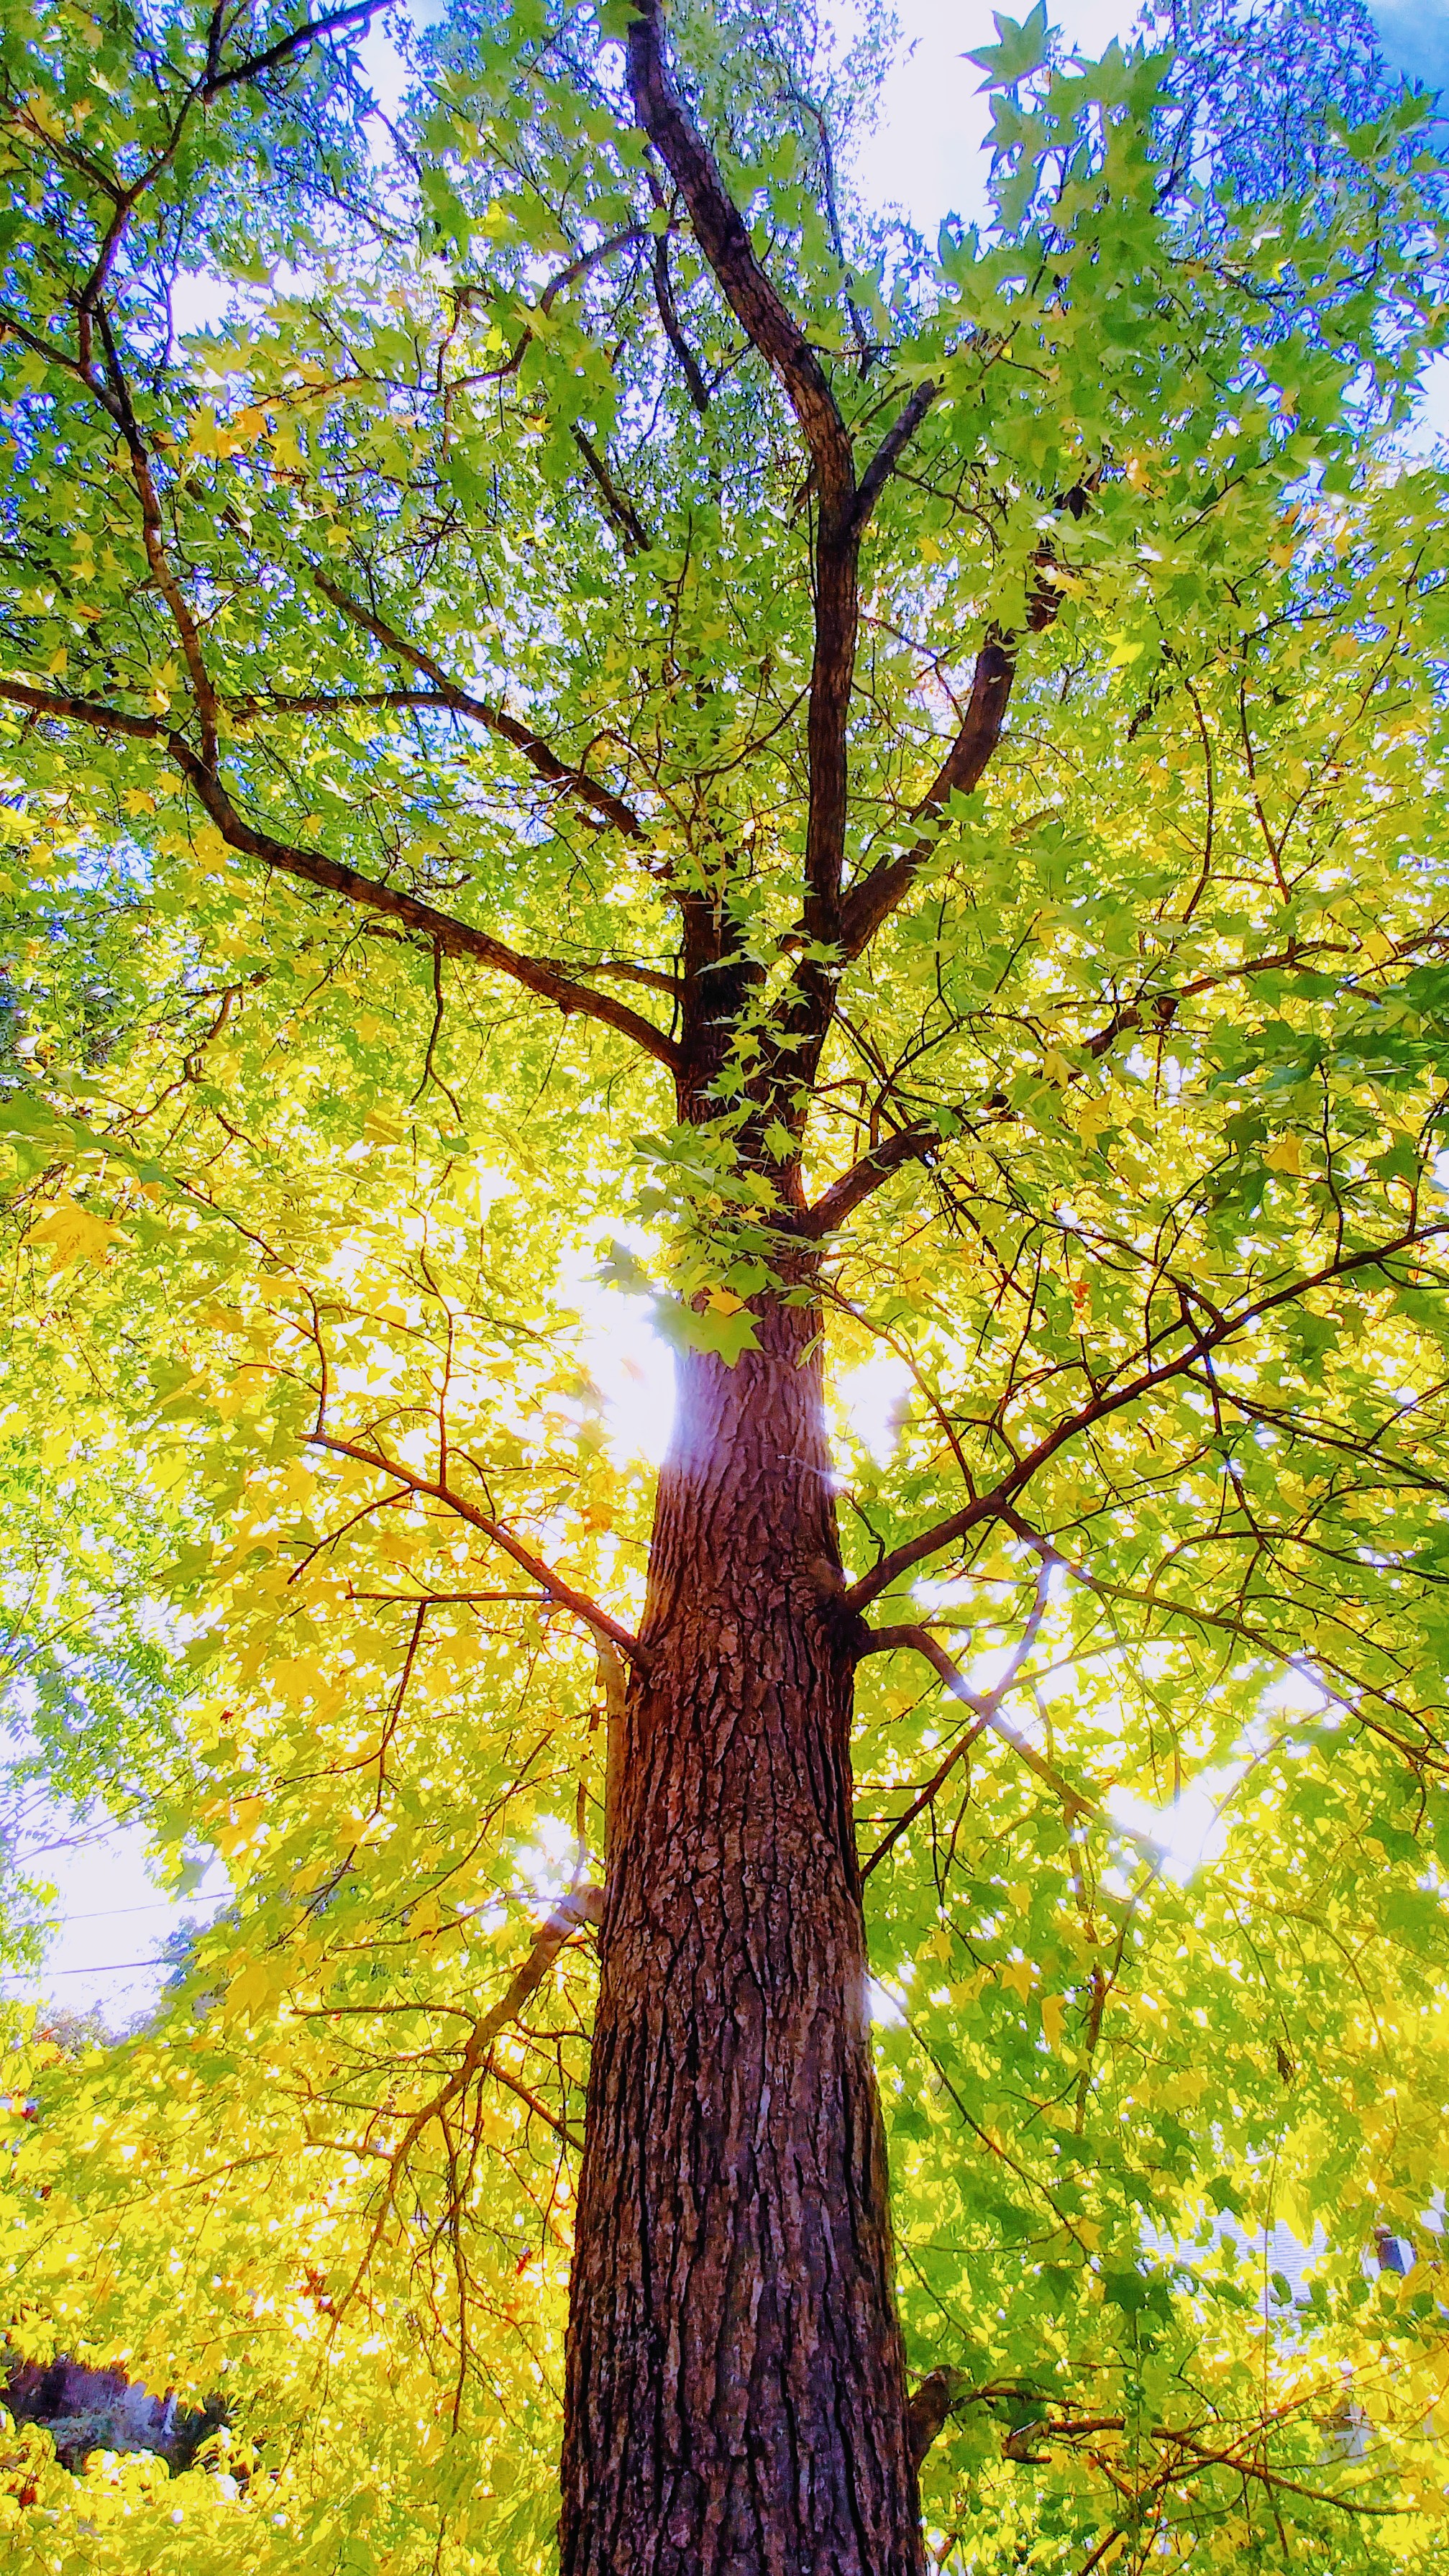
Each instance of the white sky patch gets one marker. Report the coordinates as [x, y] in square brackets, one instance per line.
[985, 1670]
[885, 2007]
[549, 1865]
[926, 155]
[873, 1398]
[110, 1915]
[1295, 1694]
[630, 1363]
[383, 65]
[199, 302]
[633, 1369]
[1190, 1832]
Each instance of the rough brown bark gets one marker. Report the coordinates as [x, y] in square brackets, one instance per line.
[736, 2394]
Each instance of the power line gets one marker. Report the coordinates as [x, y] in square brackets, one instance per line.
[104, 1913]
[108, 1968]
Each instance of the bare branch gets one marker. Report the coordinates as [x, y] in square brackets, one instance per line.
[543, 1575]
[624, 967]
[989, 1506]
[202, 691]
[986, 1711]
[987, 1715]
[360, 16]
[924, 1797]
[581, 1905]
[673, 328]
[452, 937]
[86, 711]
[724, 239]
[892, 447]
[551, 2120]
[535, 750]
[569, 276]
[618, 504]
[874, 897]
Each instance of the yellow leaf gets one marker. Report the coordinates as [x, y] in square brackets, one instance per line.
[252, 1988]
[1285, 1156]
[723, 1301]
[1056, 1068]
[239, 1825]
[209, 436]
[1122, 652]
[297, 1678]
[1017, 1973]
[965, 1994]
[74, 1233]
[1053, 2014]
[1377, 948]
[1093, 1119]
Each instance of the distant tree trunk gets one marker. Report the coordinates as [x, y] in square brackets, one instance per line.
[736, 2394]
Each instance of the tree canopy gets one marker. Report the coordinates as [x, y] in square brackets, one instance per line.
[620, 746]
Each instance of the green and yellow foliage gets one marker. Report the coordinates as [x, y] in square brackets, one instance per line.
[321, 1219]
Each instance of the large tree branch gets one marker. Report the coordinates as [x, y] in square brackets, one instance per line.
[452, 938]
[891, 449]
[987, 1713]
[283, 50]
[616, 501]
[722, 235]
[543, 1575]
[202, 692]
[574, 782]
[875, 896]
[989, 1506]
[674, 329]
[86, 711]
[908, 1145]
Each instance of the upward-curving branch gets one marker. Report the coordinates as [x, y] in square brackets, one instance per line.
[874, 897]
[724, 239]
[1112, 1400]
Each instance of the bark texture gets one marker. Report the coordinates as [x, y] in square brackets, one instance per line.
[736, 2393]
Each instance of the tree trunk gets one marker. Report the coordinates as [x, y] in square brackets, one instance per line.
[736, 2393]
